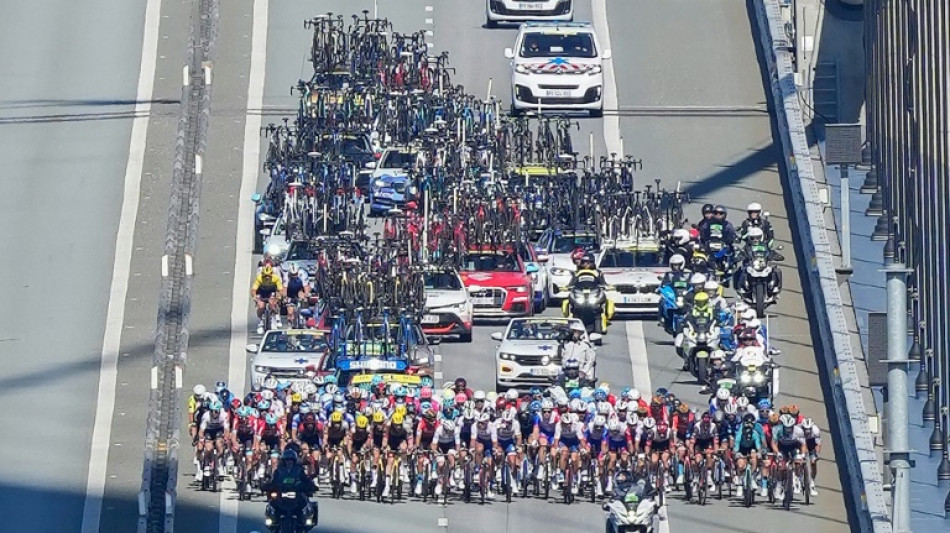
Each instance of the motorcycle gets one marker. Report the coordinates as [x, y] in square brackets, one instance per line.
[699, 338]
[722, 258]
[754, 376]
[285, 514]
[672, 307]
[589, 303]
[635, 513]
[758, 284]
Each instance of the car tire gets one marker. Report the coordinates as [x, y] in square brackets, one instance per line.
[466, 337]
[489, 23]
[258, 241]
[597, 113]
[515, 112]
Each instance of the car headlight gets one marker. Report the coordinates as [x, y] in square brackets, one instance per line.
[701, 339]
[521, 69]
[261, 369]
[504, 356]
[379, 184]
[546, 360]
[745, 379]
[461, 307]
[274, 249]
[596, 70]
[518, 290]
[758, 378]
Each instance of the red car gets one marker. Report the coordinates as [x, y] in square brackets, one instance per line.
[498, 282]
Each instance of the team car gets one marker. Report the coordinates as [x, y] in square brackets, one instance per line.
[559, 66]
[522, 11]
[448, 308]
[633, 272]
[388, 192]
[498, 282]
[554, 250]
[287, 355]
[529, 353]
[539, 280]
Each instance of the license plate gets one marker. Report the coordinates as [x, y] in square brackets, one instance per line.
[484, 300]
[530, 6]
[557, 93]
[384, 194]
[636, 299]
[430, 319]
[543, 372]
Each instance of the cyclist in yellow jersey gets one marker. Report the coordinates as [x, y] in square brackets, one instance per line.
[265, 290]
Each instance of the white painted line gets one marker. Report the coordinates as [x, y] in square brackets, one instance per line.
[154, 377]
[430, 21]
[438, 374]
[438, 357]
[115, 315]
[207, 69]
[178, 374]
[664, 519]
[189, 270]
[243, 246]
[185, 76]
[165, 266]
[430, 33]
[637, 349]
[199, 164]
[429, 8]
[611, 121]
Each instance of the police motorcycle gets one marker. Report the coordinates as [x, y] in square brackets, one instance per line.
[700, 336]
[672, 303]
[759, 280]
[588, 302]
[753, 370]
[634, 510]
[289, 511]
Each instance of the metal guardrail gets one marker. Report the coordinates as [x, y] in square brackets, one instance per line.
[834, 346]
[163, 431]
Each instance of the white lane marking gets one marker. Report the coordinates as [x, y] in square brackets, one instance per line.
[428, 8]
[237, 358]
[121, 265]
[611, 121]
[639, 365]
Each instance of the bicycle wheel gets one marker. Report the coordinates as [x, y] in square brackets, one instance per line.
[789, 484]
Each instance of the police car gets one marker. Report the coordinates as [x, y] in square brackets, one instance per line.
[524, 10]
[557, 66]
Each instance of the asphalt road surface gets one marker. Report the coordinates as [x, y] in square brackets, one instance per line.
[684, 93]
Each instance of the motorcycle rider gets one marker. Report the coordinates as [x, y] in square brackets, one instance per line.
[578, 348]
[707, 218]
[587, 272]
[679, 243]
[697, 281]
[717, 370]
[718, 229]
[755, 245]
[571, 376]
[290, 477]
[756, 220]
[678, 279]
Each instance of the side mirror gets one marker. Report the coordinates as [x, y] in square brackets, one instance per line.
[256, 198]
[497, 336]
[595, 337]
[509, 53]
[371, 164]
[544, 258]
[531, 268]
[766, 214]
[606, 54]
[473, 288]
[251, 348]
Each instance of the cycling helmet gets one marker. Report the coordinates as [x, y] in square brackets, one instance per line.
[717, 354]
[378, 417]
[600, 394]
[484, 417]
[425, 393]
[808, 424]
[547, 404]
[535, 406]
[578, 405]
[508, 415]
[425, 406]
[677, 262]
[774, 417]
[336, 417]
[267, 270]
[267, 395]
[621, 406]
[501, 403]
[749, 418]
[511, 395]
[633, 419]
[398, 419]
[575, 394]
[199, 390]
[568, 419]
[216, 405]
[787, 421]
[764, 403]
[536, 392]
[730, 409]
[401, 409]
[326, 398]
[479, 396]
[649, 423]
[600, 421]
[698, 279]
[633, 395]
[711, 286]
[755, 323]
[662, 427]
[448, 426]
[270, 418]
[294, 269]
[263, 405]
[614, 425]
[683, 408]
[460, 383]
[469, 413]
[426, 381]
[723, 394]
[362, 421]
[754, 207]
[400, 392]
[793, 410]
[742, 402]
[460, 398]
[429, 414]
[604, 408]
[755, 233]
[304, 408]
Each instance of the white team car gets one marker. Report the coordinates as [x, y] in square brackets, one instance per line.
[559, 66]
[633, 274]
[287, 355]
[528, 354]
[524, 10]
[448, 305]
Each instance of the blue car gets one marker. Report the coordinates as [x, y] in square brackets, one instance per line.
[387, 192]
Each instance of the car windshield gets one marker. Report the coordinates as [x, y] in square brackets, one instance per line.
[568, 243]
[397, 159]
[376, 332]
[625, 259]
[538, 44]
[521, 330]
[302, 251]
[284, 341]
[442, 281]
[355, 146]
[490, 263]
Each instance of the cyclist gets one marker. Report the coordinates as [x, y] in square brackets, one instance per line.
[569, 440]
[358, 441]
[545, 424]
[297, 289]
[508, 443]
[265, 290]
[484, 437]
[788, 442]
[446, 441]
[214, 428]
[813, 443]
[749, 442]
[307, 430]
[704, 441]
[596, 435]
